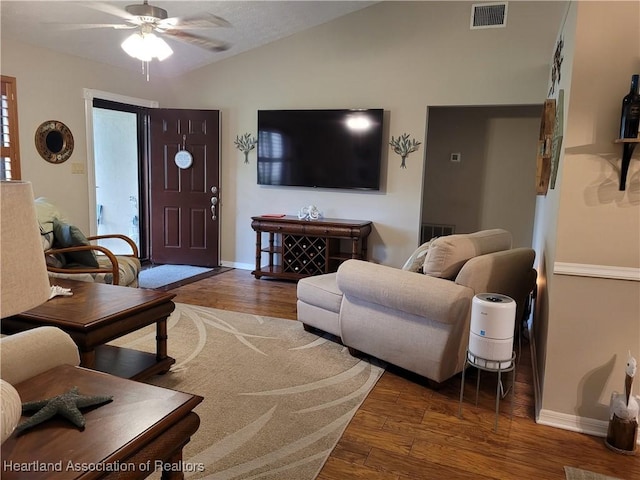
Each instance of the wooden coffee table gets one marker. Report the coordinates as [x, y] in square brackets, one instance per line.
[97, 313]
[143, 430]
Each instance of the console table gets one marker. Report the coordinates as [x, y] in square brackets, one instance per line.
[301, 248]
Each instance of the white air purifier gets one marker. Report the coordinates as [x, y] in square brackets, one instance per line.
[491, 335]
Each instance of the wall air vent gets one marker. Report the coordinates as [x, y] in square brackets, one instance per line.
[488, 15]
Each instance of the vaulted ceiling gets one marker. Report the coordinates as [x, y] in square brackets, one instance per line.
[62, 26]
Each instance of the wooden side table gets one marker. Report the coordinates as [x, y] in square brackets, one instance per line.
[143, 430]
[97, 313]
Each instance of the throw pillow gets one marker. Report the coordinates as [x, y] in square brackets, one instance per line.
[66, 235]
[55, 260]
[46, 212]
[416, 261]
[447, 255]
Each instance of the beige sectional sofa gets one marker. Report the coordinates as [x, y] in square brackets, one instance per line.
[418, 320]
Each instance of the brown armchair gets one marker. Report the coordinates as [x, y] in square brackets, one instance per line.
[121, 269]
[70, 254]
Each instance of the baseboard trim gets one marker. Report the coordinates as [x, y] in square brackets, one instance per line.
[598, 271]
[537, 391]
[239, 266]
[588, 426]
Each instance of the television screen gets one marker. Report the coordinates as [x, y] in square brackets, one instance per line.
[320, 148]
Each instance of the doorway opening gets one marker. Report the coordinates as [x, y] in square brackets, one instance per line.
[480, 169]
[119, 144]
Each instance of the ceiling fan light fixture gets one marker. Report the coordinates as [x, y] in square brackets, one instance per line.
[146, 46]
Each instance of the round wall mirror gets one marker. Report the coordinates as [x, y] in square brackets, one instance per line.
[54, 141]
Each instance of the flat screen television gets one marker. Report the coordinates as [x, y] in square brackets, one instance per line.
[320, 148]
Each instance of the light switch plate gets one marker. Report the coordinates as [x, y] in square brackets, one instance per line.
[456, 157]
[77, 168]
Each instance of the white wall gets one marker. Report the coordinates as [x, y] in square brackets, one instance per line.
[50, 87]
[400, 56]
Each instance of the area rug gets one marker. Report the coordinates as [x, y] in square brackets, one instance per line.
[578, 474]
[276, 398]
[168, 276]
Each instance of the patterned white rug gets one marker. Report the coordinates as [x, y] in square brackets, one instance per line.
[276, 398]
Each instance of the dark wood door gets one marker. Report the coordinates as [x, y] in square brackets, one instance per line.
[184, 212]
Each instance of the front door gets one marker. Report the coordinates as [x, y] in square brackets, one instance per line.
[184, 212]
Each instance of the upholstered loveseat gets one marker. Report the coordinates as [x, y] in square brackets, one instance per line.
[71, 254]
[418, 320]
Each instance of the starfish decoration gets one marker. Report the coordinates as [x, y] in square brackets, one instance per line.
[67, 405]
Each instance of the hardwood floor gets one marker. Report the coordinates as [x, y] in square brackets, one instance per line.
[406, 430]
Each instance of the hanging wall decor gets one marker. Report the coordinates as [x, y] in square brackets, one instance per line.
[183, 157]
[558, 133]
[545, 145]
[54, 141]
[556, 69]
[245, 143]
[403, 146]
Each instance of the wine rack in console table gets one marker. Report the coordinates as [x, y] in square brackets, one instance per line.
[301, 248]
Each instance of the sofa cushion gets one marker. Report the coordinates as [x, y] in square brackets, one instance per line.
[447, 255]
[70, 236]
[129, 268]
[320, 291]
[415, 262]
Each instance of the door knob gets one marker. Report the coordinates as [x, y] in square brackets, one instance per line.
[214, 190]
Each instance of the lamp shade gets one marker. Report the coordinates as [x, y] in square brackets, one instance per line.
[24, 283]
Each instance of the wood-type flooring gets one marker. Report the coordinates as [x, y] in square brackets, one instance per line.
[406, 430]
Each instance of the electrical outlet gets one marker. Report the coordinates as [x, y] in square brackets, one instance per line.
[456, 157]
[77, 168]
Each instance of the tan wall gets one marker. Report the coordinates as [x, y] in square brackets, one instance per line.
[589, 324]
[400, 56]
[50, 87]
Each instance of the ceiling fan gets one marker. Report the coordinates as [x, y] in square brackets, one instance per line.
[148, 19]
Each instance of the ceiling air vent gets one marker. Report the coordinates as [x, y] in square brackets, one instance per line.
[488, 15]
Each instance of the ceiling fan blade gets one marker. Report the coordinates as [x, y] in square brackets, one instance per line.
[202, 42]
[86, 26]
[205, 20]
[110, 9]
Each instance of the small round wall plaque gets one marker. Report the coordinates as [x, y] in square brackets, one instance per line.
[54, 141]
[183, 159]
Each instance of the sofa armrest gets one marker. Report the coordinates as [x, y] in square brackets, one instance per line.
[422, 295]
[26, 354]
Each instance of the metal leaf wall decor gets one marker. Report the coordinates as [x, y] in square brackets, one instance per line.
[245, 143]
[403, 146]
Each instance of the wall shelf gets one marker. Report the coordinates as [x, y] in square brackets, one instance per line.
[628, 145]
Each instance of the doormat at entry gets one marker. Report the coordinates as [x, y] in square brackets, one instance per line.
[165, 277]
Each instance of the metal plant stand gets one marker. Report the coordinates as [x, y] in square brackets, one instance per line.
[481, 364]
